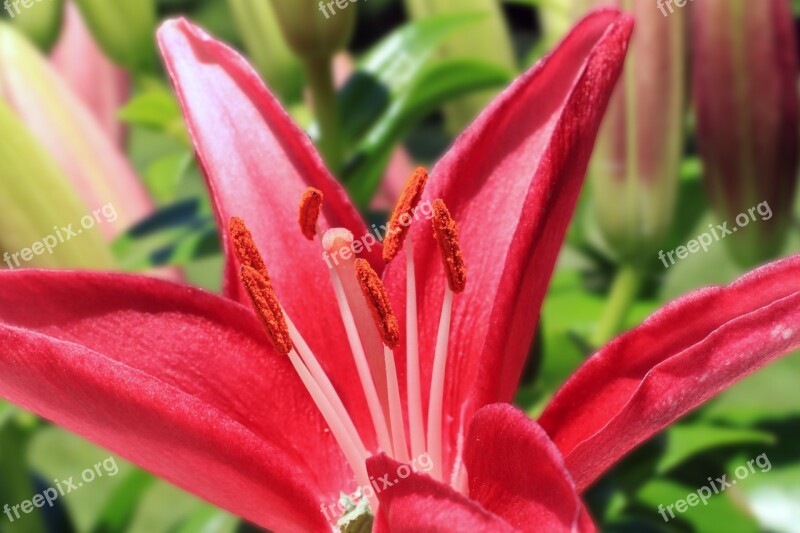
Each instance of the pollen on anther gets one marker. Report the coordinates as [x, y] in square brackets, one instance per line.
[245, 247]
[310, 206]
[446, 232]
[378, 301]
[400, 221]
[266, 306]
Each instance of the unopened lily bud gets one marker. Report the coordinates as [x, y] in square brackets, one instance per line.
[70, 133]
[745, 91]
[267, 47]
[635, 166]
[39, 21]
[124, 29]
[315, 28]
[41, 213]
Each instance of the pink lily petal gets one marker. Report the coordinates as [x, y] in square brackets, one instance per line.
[418, 503]
[511, 182]
[179, 381]
[516, 472]
[258, 164]
[102, 86]
[680, 357]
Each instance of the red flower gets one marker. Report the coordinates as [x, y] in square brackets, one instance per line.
[187, 384]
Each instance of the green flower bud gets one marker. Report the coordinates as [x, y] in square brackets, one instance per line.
[124, 29]
[40, 20]
[315, 28]
[745, 92]
[635, 167]
[266, 46]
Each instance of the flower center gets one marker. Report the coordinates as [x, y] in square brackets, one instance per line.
[372, 332]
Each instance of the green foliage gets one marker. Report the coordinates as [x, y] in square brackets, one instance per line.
[396, 85]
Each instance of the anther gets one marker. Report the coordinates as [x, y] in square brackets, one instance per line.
[310, 205]
[267, 308]
[446, 233]
[400, 221]
[245, 247]
[378, 302]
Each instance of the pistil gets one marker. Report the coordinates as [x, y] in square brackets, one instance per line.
[362, 366]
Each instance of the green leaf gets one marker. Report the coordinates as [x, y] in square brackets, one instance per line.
[121, 505]
[772, 494]
[155, 108]
[489, 42]
[17, 480]
[165, 175]
[389, 70]
[208, 519]
[174, 235]
[719, 514]
[432, 86]
[58, 454]
[686, 441]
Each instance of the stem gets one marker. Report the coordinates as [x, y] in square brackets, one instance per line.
[319, 70]
[17, 483]
[624, 291]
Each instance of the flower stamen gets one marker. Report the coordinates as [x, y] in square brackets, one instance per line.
[378, 302]
[446, 232]
[308, 214]
[267, 309]
[385, 320]
[245, 247]
[285, 337]
[416, 425]
[399, 222]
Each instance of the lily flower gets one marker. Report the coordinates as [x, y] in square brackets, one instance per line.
[268, 415]
[185, 383]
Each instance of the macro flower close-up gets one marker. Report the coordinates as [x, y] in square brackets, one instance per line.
[283, 265]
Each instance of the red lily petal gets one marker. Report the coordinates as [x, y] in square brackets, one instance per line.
[418, 503]
[511, 182]
[680, 357]
[257, 161]
[516, 472]
[177, 380]
[258, 164]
